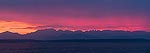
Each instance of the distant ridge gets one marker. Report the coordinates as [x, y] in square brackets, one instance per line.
[74, 40]
[51, 34]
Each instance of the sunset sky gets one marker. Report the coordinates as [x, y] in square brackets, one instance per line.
[25, 16]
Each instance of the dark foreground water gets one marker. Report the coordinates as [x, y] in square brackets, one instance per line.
[75, 47]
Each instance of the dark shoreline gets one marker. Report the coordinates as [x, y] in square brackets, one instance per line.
[75, 40]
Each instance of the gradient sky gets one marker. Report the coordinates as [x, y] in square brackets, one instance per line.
[25, 16]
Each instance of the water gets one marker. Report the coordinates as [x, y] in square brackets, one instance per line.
[75, 47]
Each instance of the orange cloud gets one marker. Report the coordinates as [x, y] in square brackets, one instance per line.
[10, 26]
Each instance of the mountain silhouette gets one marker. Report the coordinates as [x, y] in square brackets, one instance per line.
[10, 35]
[51, 34]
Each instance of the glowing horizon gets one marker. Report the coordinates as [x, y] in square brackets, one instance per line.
[107, 24]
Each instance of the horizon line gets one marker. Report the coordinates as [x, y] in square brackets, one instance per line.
[77, 31]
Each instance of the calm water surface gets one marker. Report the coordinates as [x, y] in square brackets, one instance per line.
[75, 47]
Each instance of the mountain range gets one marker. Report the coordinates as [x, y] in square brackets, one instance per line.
[51, 34]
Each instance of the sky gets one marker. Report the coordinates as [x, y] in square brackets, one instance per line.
[25, 16]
